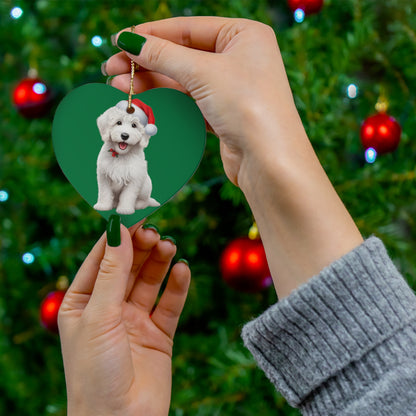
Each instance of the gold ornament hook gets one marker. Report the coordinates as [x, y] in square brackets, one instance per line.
[253, 233]
[382, 102]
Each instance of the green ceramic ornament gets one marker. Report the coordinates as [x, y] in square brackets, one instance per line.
[123, 161]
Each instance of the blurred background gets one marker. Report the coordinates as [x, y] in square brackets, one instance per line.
[346, 60]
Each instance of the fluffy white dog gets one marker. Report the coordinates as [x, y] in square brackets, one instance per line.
[123, 180]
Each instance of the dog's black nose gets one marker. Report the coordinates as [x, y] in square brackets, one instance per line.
[124, 136]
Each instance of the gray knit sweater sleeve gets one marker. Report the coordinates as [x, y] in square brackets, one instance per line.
[345, 342]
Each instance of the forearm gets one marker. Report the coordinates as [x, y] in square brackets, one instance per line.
[303, 223]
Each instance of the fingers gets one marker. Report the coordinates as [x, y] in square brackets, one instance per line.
[145, 81]
[135, 269]
[152, 273]
[117, 64]
[114, 271]
[84, 280]
[136, 226]
[161, 56]
[166, 40]
[169, 309]
[193, 32]
[144, 240]
[83, 284]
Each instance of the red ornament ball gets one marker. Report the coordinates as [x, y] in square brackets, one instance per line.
[381, 132]
[244, 266]
[308, 6]
[32, 98]
[49, 310]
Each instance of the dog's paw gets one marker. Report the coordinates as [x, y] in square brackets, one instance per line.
[141, 205]
[99, 206]
[125, 210]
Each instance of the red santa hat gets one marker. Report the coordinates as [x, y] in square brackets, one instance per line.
[143, 112]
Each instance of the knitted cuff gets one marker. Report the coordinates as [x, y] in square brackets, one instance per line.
[335, 328]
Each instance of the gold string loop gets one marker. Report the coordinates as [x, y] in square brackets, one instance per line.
[130, 109]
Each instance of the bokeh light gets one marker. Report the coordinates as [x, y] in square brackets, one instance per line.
[370, 155]
[352, 91]
[97, 41]
[4, 195]
[39, 88]
[28, 258]
[299, 15]
[16, 12]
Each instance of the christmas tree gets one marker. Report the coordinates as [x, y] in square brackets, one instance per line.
[341, 60]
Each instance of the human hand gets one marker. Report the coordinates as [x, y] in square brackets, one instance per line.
[117, 353]
[234, 71]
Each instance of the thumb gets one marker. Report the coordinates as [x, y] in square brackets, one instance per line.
[110, 286]
[180, 63]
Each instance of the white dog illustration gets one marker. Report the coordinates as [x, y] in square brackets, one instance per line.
[123, 181]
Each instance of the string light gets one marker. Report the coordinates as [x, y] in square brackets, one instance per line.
[352, 91]
[97, 41]
[370, 155]
[16, 13]
[39, 88]
[4, 195]
[28, 258]
[299, 15]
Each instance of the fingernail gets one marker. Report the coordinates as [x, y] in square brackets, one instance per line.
[109, 80]
[183, 261]
[169, 238]
[114, 39]
[131, 42]
[150, 227]
[104, 69]
[113, 231]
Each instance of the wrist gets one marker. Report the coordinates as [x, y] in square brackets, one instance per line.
[302, 221]
[273, 154]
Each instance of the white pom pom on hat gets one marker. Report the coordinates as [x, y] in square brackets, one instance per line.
[143, 112]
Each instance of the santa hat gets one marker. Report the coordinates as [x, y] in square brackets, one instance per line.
[143, 112]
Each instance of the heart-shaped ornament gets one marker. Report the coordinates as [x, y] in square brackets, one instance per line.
[144, 159]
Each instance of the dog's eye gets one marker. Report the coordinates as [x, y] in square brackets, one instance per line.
[134, 125]
[119, 123]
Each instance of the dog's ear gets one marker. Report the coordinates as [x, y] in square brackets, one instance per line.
[104, 122]
[145, 141]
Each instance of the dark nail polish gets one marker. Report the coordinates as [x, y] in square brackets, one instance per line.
[113, 231]
[184, 261]
[131, 42]
[169, 238]
[150, 227]
[104, 69]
